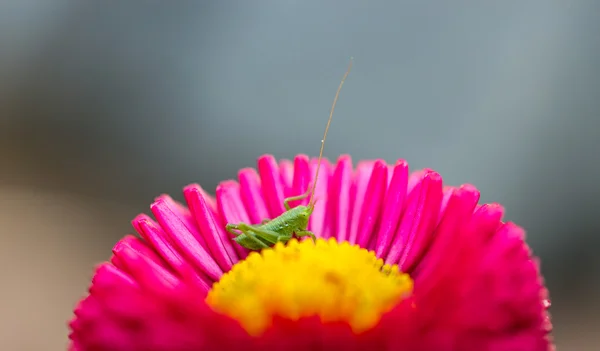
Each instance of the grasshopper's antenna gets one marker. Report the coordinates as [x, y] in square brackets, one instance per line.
[337, 94]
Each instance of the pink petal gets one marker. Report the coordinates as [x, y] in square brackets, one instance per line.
[139, 246]
[448, 191]
[156, 237]
[317, 221]
[251, 193]
[418, 220]
[302, 179]
[447, 236]
[232, 209]
[357, 194]
[393, 206]
[271, 185]
[418, 241]
[211, 229]
[180, 215]
[184, 241]
[375, 193]
[340, 197]
[149, 274]
[107, 275]
[286, 170]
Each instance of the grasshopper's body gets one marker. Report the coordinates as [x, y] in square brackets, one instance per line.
[294, 221]
[290, 222]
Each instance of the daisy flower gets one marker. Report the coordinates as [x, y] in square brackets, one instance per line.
[401, 262]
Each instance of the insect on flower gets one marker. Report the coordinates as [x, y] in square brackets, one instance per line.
[294, 221]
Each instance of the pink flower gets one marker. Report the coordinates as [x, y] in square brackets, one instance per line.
[467, 280]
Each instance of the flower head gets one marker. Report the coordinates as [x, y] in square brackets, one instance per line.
[402, 263]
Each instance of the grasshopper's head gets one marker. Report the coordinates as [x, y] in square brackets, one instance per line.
[302, 214]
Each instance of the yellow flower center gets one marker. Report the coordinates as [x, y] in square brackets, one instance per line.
[337, 282]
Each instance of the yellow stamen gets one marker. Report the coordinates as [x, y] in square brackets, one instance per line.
[335, 281]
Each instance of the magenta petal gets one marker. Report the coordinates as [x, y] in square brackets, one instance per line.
[339, 195]
[158, 239]
[492, 295]
[89, 308]
[183, 213]
[216, 239]
[210, 204]
[487, 219]
[271, 184]
[107, 275]
[418, 220]
[180, 215]
[251, 193]
[357, 195]
[149, 274]
[317, 221]
[155, 236]
[302, 179]
[426, 222]
[480, 286]
[139, 246]
[213, 210]
[448, 236]
[392, 208]
[369, 214]
[448, 191]
[186, 243]
[507, 246]
[232, 209]
[286, 170]
[414, 179]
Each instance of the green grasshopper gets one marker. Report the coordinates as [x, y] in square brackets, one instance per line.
[293, 220]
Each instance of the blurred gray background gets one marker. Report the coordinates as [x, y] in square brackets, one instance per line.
[105, 105]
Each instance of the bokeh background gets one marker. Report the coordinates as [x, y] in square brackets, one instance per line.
[105, 105]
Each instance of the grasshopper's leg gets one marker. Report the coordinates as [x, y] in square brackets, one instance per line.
[234, 229]
[286, 201]
[269, 236]
[265, 221]
[239, 229]
[250, 241]
[306, 233]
